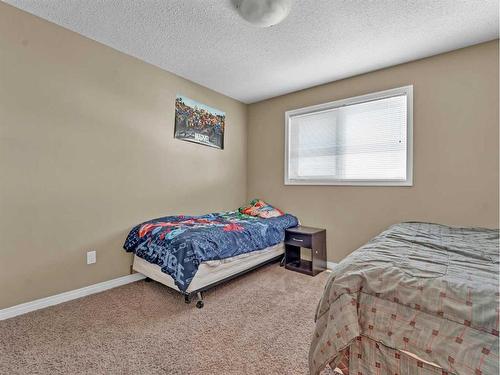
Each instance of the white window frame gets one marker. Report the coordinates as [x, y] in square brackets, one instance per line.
[405, 90]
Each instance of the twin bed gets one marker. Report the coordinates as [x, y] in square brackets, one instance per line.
[191, 254]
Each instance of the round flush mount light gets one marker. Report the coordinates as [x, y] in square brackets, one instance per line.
[263, 13]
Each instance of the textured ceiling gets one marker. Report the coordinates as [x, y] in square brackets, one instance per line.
[321, 40]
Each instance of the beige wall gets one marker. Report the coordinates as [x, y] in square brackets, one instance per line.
[455, 151]
[87, 151]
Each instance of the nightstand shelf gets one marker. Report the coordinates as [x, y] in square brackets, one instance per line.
[303, 266]
[310, 238]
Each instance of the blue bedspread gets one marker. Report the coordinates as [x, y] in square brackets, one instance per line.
[178, 244]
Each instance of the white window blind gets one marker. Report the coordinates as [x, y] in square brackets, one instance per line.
[358, 141]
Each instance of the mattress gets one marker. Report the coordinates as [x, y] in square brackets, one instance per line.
[210, 272]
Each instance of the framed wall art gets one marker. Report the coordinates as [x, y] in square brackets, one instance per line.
[199, 123]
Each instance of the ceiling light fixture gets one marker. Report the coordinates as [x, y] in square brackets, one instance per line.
[263, 13]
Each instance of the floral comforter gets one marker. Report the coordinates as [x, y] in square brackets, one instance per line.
[427, 289]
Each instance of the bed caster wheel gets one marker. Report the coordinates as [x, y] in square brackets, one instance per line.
[199, 304]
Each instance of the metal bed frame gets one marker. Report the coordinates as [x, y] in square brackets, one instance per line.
[198, 293]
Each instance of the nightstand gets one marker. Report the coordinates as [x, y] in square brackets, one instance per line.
[309, 238]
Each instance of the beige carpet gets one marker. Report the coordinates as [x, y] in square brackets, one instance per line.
[260, 323]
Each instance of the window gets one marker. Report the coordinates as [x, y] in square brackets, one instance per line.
[365, 140]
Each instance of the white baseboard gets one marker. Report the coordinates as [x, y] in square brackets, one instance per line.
[41, 303]
[331, 265]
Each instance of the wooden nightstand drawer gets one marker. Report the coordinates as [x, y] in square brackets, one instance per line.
[298, 239]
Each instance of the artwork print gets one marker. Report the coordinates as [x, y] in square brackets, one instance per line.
[199, 123]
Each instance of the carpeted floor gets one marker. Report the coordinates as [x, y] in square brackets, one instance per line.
[260, 323]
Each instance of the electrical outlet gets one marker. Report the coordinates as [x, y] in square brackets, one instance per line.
[91, 257]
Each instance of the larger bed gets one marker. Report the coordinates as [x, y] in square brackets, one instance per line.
[419, 298]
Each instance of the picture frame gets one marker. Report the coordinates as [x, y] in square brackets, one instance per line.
[199, 123]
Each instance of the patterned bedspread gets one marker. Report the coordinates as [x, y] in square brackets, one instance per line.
[178, 244]
[427, 289]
